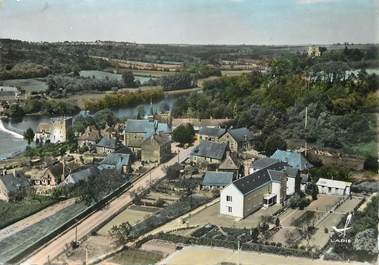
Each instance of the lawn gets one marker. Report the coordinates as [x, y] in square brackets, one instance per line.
[11, 212]
[29, 85]
[136, 257]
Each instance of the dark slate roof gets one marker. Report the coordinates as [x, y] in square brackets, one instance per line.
[107, 143]
[214, 132]
[217, 178]
[253, 181]
[293, 159]
[241, 134]
[81, 175]
[12, 183]
[56, 169]
[276, 175]
[210, 149]
[264, 162]
[146, 126]
[159, 138]
[291, 172]
[116, 158]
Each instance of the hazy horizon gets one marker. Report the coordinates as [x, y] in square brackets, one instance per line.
[193, 22]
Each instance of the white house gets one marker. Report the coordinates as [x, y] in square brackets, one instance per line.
[248, 194]
[333, 187]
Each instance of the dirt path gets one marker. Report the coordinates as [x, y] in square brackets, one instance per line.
[35, 218]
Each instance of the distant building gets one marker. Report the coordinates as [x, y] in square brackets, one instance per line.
[293, 159]
[106, 146]
[333, 187]
[156, 149]
[315, 51]
[217, 179]
[8, 93]
[210, 152]
[137, 131]
[116, 161]
[59, 128]
[11, 187]
[199, 123]
[248, 194]
[89, 137]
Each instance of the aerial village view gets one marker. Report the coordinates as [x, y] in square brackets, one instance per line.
[193, 132]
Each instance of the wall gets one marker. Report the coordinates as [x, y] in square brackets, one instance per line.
[236, 203]
[254, 200]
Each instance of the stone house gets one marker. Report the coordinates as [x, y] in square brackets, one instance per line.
[89, 137]
[231, 164]
[238, 139]
[156, 149]
[42, 134]
[137, 131]
[106, 146]
[210, 134]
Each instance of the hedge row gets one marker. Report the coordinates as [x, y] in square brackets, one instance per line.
[234, 245]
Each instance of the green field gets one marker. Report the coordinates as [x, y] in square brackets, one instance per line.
[11, 212]
[136, 257]
[29, 85]
[103, 75]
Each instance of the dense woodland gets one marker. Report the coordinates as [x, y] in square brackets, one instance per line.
[340, 104]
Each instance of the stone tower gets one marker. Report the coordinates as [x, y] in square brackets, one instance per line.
[59, 128]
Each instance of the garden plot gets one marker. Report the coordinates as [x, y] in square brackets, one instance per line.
[211, 215]
[20, 241]
[131, 215]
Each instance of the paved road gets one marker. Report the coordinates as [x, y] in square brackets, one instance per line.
[58, 245]
[35, 218]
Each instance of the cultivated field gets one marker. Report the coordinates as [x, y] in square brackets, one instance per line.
[128, 215]
[20, 241]
[211, 215]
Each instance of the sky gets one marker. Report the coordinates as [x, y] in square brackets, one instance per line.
[271, 22]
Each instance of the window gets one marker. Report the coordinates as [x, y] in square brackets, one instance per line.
[330, 189]
[230, 209]
[228, 198]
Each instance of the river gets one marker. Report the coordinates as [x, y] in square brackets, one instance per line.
[13, 144]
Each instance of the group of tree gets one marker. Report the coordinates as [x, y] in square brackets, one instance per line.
[124, 99]
[49, 107]
[177, 81]
[184, 134]
[340, 104]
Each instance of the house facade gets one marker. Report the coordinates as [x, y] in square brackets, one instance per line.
[156, 149]
[137, 131]
[89, 137]
[106, 146]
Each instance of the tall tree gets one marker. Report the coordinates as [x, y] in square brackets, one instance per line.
[29, 135]
[128, 79]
